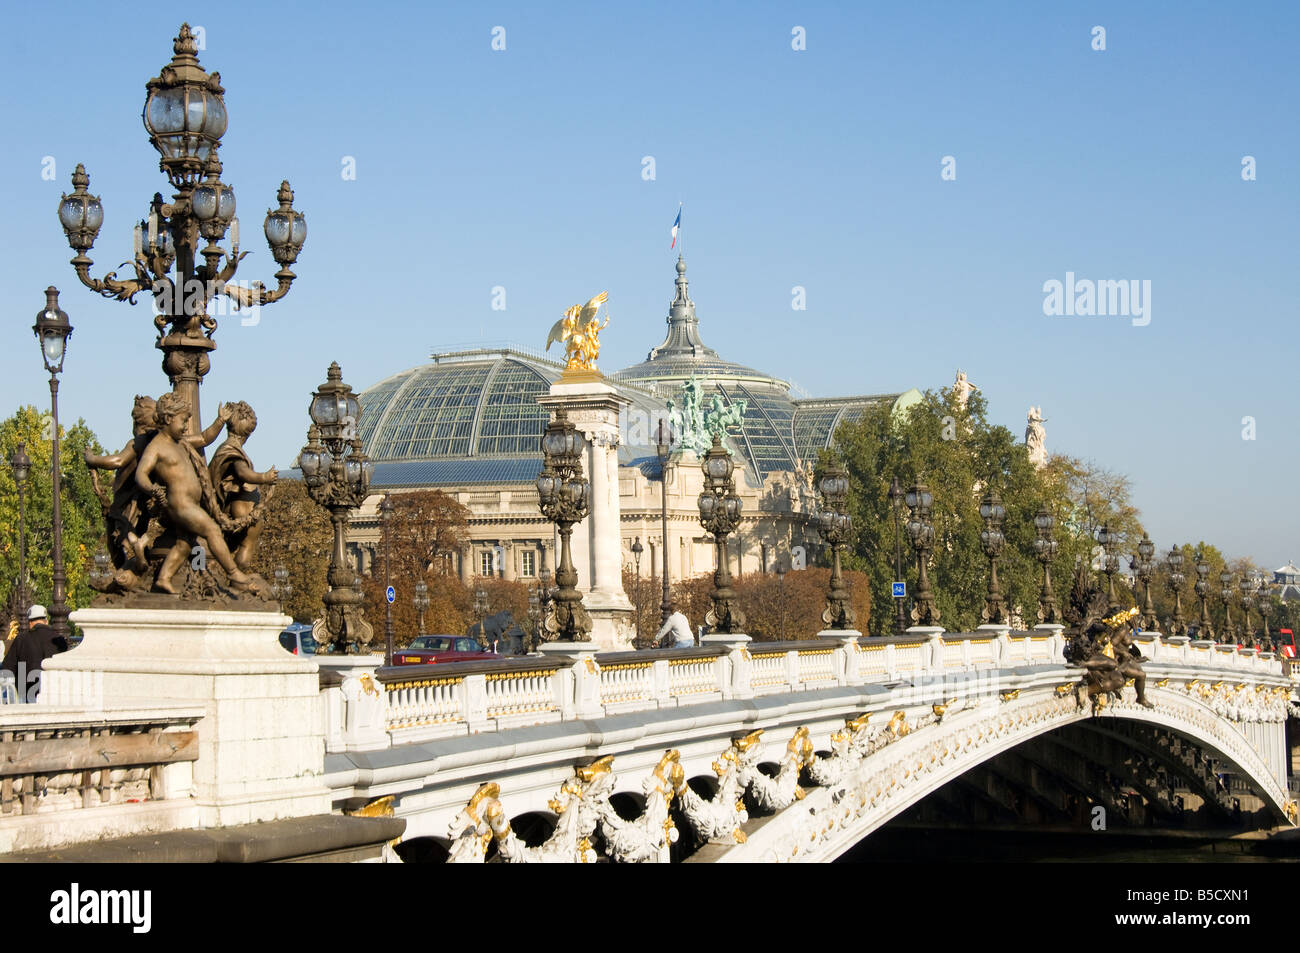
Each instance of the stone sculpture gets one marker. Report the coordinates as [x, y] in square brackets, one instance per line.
[962, 388]
[1035, 438]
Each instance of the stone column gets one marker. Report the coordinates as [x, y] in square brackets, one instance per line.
[593, 407]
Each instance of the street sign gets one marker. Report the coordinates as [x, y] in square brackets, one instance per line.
[391, 593]
[900, 590]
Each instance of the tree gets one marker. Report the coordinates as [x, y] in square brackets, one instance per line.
[82, 513]
[297, 535]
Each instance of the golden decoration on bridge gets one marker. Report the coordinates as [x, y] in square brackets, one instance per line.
[578, 331]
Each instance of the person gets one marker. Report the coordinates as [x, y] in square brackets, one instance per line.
[676, 632]
[29, 650]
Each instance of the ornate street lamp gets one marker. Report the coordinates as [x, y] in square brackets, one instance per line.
[52, 331]
[563, 495]
[22, 466]
[481, 610]
[1175, 586]
[1246, 587]
[185, 117]
[991, 539]
[1202, 588]
[281, 587]
[1226, 593]
[1145, 565]
[1045, 548]
[421, 603]
[1264, 606]
[835, 526]
[921, 532]
[896, 503]
[780, 578]
[339, 481]
[1109, 565]
[637, 550]
[535, 601]
[720, 515]
[385, 520]
[662, 447]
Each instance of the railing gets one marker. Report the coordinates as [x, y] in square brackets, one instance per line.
[369, 707]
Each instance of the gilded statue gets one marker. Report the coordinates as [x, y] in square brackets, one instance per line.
[578, 332]
[1105, 648]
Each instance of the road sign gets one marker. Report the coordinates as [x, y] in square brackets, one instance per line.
[900, 590]
[391, 593]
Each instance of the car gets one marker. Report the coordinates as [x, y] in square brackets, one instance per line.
[431, 649]
[297, 638]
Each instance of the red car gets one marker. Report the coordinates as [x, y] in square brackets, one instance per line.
[428, 649]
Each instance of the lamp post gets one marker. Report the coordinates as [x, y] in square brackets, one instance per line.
[1246, 588]
[1109, 565]
[1202, 589]
[637, 550]
[662, 446]
[185, 117]
[1225, 593]
[1045, 548]
[921, 532]
[1264, 607]
[339, 481]
[52, 330]
[835, 525]
[281, 587]
[386, 519]
[896, 503]
[421, 603]
[22, 466]
[780, 578]
[563, 495]
[481, 611]
[534, 615]
[991, 539]
[720, 515]
[1145, 564]
[1175, 585]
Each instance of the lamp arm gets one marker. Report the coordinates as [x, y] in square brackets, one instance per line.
[109, 286]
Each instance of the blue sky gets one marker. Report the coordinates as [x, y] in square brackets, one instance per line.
[817, 168]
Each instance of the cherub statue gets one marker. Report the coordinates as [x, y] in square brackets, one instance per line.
[236, 483]
[175, 479]
[578, 331]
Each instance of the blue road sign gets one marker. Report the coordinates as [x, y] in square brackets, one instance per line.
[391, 593]
[900, 590]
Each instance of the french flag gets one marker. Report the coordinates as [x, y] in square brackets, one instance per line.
[676, 228]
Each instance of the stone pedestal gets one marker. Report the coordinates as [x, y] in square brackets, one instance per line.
[934, 635]
[261, 740]
[585, 672]
[593, 407]
[1053, 631]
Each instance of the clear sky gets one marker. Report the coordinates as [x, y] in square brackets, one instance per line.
[819, 168]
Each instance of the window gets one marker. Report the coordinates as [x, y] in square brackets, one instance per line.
[530, 564]
[485, 563]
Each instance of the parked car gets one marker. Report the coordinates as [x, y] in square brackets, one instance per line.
[297, 638]
[429, 649]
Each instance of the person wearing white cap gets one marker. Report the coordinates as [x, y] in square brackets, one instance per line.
[30, 649]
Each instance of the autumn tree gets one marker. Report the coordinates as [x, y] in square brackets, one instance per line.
[296, 534]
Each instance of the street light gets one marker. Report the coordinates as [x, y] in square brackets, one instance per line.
[780, 578]
[921, 532]
[662, 447]
[481, 610]
[386, 519]
[1225, 593]
[339, 481]
[564, 497]
[1246, 587]
[421, 602]
[896, 503]
[1145, 565]
[185, 117]
[1175, 586]
[720, 515]
[281, 588]
[1109, 565]
[835, 526]
[22, 466]
[991, 539]
[1263, 604]
[1202, 589]
[637, 550]
[52, 330]
[1045, 548]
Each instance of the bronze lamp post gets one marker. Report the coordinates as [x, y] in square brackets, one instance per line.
[720, 515]
[185, 117]
[421, 603]
[339, 481]
[1264, 607]
[637, 550]
[835, 526]
[564, 496]
[1145, 564]
[921, 532]
[1225, 593]
[896, 496]
[1246, 588]
[1045, 548]
[22, 467]
[52, 331]
[1109, 565]
[386, 519]
[1175, 585]
[1202, 589]
[992, 540]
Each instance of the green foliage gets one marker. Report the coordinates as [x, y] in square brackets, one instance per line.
[297, 535]
[82, 514]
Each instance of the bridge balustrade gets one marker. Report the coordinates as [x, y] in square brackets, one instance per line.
[415, 703]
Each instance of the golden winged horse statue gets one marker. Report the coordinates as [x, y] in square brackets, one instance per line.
[577, 330]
